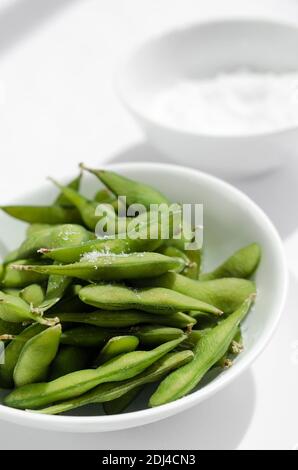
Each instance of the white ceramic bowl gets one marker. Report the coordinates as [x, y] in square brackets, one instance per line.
[204, 50]
[231, 220]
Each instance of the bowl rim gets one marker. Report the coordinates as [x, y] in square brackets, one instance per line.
[139, 113]
[135, 418]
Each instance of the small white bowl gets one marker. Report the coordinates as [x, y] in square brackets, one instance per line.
[231, 220]
[204, 50]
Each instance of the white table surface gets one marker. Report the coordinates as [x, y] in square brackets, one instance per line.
[57, 108]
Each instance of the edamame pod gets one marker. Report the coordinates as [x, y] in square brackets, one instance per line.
[209, 349]
[91, 215]
[15, 279]
[85, 336]
[104, 196]
[44, 214]
[152, 300]
[56, 288]
[34, 228]
[55, 236]
[70, 303]
[203, 319]
[115, 407]
[59, 213]
[174, 252]
[156, 334]
[13, 351]
[116, 346]
[235, 348]
[72, 385]
[110, 267]
[68, 359]
[135, 192]
[86, 208]
[191, 269]
[125, 318]
[111, 391]
[33, 294]
[145, 242]
[225, 294]
[61, 200]
[241, 264]
[36, 356]
[16, 310]
[192, 338]
[10, 328]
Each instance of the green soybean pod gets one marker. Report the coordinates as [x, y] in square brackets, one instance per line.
[70, 303]
[19, 279]
[116, 346]
[57, 285]
[122, 367]
[111, 267]
[36, 356]
[11, 256]
[16, 310]
[134, 191]
[174, 252]
[208, 351]
[203, 319]
[243, 263]
[144, 242]
[75, 184]
[156, 334]
[59, 213]
[34, 228]
[104, 196]
[33, 294]
[117, 406]
[152, 300]
[44, 214]
[125, 318]
[225, 294]
[192, 338]
[190, 257]
[13, 351]
[12, 291]
[10, 328]
[235, 348]
[85, 207]
[53, 236]
[195, 259]
[86, 336]
[111, 391]
[68, 359]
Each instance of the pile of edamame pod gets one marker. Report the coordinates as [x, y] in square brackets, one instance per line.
[92, 320]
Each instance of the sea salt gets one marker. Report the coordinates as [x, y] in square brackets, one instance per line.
[235, 103]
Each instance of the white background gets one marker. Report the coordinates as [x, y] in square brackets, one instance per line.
[57, 108]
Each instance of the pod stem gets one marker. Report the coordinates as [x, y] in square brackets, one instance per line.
[83, 167]
[236, 347]
[7, 337]
[43, 251]
[58, 185]
[21, 267]
[227, 363]
[38, 316]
